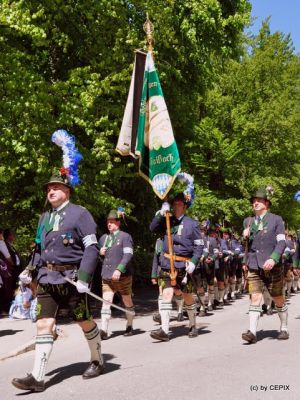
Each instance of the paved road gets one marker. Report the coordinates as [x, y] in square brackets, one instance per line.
[216, 365]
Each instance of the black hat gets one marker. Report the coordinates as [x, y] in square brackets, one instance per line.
[263, 193]
[59, 176]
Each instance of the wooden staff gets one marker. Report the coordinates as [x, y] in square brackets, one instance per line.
[173, 272]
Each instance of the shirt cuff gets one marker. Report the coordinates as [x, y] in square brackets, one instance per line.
[194, 260]
[84, 276]
[121, 268]
[275, 256]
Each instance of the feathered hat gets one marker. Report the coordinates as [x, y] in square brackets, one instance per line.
[263, 193]
[188, 195]
[67, 174]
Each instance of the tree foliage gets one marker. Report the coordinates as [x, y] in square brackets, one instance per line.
[248, 136]
[67, 64]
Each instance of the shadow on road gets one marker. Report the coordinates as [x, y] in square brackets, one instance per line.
[7, 332]
[68, 371]
[121, 333]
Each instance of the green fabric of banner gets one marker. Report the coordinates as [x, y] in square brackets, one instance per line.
[155, 145]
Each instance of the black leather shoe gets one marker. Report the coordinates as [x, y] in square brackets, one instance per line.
[93, 370]
[29, 383]
[193, 332]
[283, 335]
[160, 334]
[103, 335]
[157, 318]
[129, 331]
[249, 337]
[180, 317]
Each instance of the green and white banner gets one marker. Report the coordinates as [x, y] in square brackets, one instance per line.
[151, 137]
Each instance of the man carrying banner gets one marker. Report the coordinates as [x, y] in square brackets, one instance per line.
[187, 249]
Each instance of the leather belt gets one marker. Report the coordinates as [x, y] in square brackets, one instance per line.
[176, 258]
[60, 268]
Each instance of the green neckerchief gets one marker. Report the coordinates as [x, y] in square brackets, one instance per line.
[175, 225]
[257, 227]
[112, 238]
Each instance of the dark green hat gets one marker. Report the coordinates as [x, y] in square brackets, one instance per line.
[113, 214]
[226, 230]
[59, 176]
[263, 193]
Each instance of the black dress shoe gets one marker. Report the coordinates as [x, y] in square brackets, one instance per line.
[193, 332]
[129, 331]
[160, 334]
[93, 370]
[249, 337]
[29, 383]
[283, 335]
[103, 335]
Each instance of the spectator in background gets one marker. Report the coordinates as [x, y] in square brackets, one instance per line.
[6, 291]
[9, 238]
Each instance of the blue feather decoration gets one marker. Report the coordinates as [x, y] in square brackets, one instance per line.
[71, 155]
[190, 190]
[297, 196]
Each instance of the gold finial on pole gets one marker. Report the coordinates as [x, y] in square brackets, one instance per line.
[149, 29]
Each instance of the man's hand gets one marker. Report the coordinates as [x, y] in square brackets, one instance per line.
[189, 267]
[296, 272]
[25, 277]
[154, 281]
[246, 233]
[164, 208]
[102, 251]
[82, 287]
[245, 268]
[116, 275]
[269, 264]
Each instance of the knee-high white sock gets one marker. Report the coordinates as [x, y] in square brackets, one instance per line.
[165, 312]
[43, 348]
[105, 316]
[159, 302]
[211, 297]
[129, 316]
[232, 288]
[240, 286]
[289, 286]
[216, 290]
[221, 294]
[94, 342]
[202, 299]
[283, 316]
[179, 303]
[226, 292]
[254, 315]
[191, 311]
[295, 284]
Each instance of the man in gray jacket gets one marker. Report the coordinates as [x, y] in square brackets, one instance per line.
[116, 248]
[265, 235]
